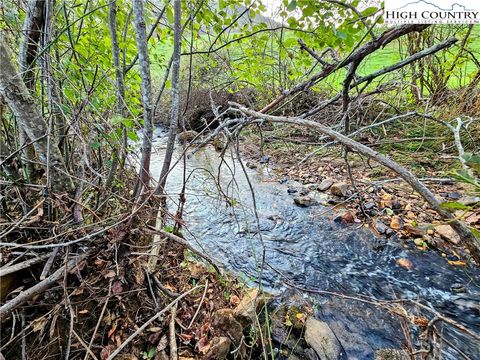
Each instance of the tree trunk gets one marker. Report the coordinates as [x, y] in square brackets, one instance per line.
[172, 134]
[144, 62]
[23, 106]
[120, 154]
[177, 47]
[32, 29]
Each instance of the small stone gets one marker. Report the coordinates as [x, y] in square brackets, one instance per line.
[405, 263]
[418, 241]
[469, 200]
[380, 227]
[325, 184]
[396, 223]
[369, 205]
[305, 201]
[339, 189]
[264, 159]
[396, 205]
[251, 165]
[447, 232]
[187, 136]
[322, 339]
[408, 207]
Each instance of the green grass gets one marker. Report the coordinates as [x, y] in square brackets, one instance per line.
[463, 72]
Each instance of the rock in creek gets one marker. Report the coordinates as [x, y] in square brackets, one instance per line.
[321, 338]
[187, 136]
[305, 201]
[325, 184]
[339, 189]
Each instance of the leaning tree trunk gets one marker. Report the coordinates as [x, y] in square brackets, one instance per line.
[144, 61]
[23, 106]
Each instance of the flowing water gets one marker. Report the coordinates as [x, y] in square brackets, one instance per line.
[312, 251]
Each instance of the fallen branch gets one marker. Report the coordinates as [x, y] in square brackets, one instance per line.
[173, 335]
[356, 56]
[148, 322]
[467, 238]
[42, 286]
[5, 270]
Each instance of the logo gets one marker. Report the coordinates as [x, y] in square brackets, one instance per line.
[432, 12]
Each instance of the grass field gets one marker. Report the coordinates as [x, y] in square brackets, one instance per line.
[463, 72]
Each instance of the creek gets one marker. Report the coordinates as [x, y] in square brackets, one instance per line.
[304, 247]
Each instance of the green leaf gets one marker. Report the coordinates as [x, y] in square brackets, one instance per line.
[465, 177]
[369, 11]
[292, 6]
[133, 136]
[151, 353]
[475, 232]
[453, 205]
[389, 211]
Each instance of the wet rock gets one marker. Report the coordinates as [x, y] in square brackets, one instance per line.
[305, 201]
[381, 227]
[405, 263]
[325, 184]
[220, 348]
[187, 136]
[391, 354]
[264, 159]
[246, 310]
[321, 338]
[311, 187]
[447, 232]
[339, 189]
